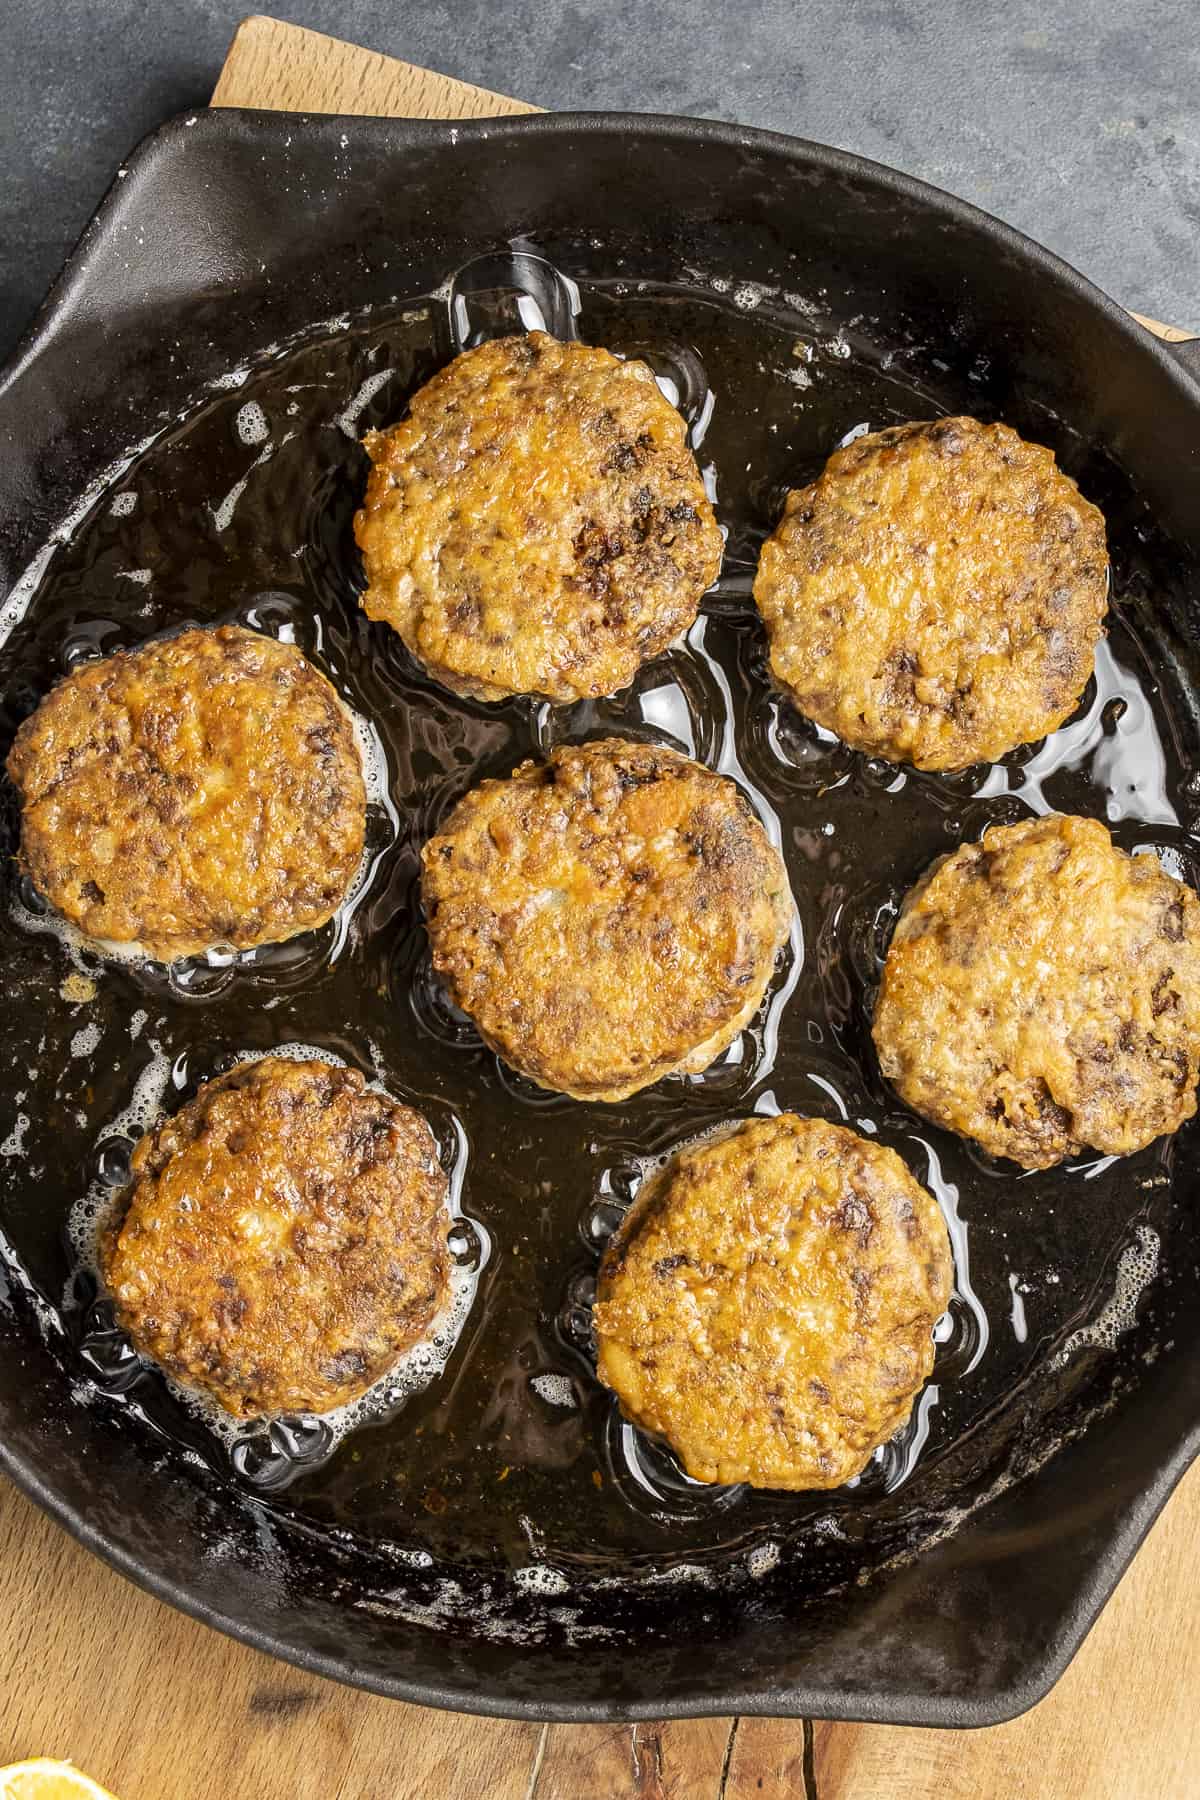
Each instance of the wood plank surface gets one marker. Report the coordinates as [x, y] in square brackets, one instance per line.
[160, 1708]
[285, 68]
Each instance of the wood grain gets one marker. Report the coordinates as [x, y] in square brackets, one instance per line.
[284, 68]
[676, 1759]
[160, 1708]
[1173, 334]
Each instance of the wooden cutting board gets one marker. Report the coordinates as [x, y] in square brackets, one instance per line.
[160, 1708]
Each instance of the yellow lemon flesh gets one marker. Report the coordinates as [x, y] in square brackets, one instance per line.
[46, 1780]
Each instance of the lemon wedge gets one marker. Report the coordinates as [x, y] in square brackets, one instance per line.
[46, 1780]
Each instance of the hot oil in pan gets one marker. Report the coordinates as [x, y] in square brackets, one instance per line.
[244, 512]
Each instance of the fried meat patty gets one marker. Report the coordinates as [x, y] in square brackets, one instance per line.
[607, 917]
[937, 594]
[1042, 994]
[768, 1304]
[282, 1239]
[203, 789]
[537, 524]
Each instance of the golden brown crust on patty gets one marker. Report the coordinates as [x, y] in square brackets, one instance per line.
[768, 1304]
[283, 1238]
[537, 524]
[203, 789]
[936, 596]
[606, 917]
[1042, 994]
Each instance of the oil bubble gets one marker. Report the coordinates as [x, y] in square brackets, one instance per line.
[433, 1009]
[494, 296]
[250, 424]
[30, 898]
[466, 1245]
[108, 1356]
[600, 1220]
[113, 1162]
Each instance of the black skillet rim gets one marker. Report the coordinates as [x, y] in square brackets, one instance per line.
[1181, 362]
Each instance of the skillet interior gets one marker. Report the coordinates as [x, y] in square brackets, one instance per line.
[983, 1620]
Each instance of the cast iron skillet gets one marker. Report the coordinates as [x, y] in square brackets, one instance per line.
[230, 232]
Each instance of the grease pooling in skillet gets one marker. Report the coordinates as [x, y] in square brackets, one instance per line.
[490, 1462]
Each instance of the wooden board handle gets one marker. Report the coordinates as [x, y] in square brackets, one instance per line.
[285, 68]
